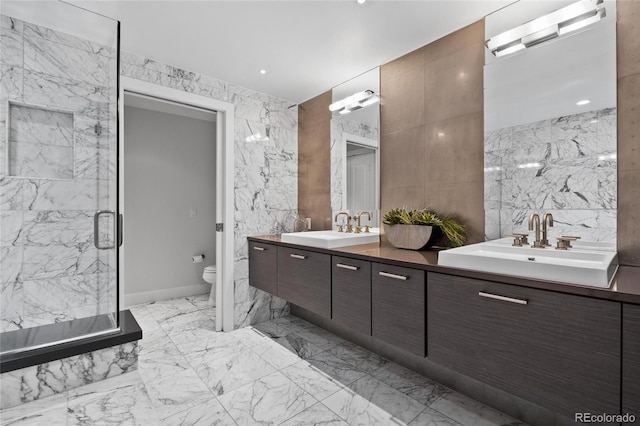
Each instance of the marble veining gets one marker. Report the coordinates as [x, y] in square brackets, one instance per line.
[566, 166]
[55, 89]
[43, 380]
[173, 382]
[266, 152]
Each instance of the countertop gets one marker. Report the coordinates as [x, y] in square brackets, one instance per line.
[625, 286]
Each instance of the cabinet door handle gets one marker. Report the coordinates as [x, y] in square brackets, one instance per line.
[298, 256]
[349, 267]
[259, 248]
[502, 298]
[394, 276]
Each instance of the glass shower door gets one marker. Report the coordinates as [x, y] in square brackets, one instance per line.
[58, 174]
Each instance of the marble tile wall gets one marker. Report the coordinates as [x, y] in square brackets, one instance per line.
[50, 269]
[340, 126]
[266, 169]
[565, 166]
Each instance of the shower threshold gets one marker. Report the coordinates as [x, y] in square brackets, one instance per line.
[33, 346]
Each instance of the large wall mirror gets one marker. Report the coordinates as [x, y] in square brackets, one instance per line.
[550, 123]
[355, 164]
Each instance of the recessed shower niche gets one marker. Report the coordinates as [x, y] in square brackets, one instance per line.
[40, 142]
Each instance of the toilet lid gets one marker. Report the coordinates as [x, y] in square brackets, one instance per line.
[211, 268]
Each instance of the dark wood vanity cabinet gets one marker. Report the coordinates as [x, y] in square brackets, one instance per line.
[351, 293]
[631, 359]
[398, 307]
[557, 350]
[304, 279]
[263, 273]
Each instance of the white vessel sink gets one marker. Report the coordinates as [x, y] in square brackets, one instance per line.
[590, 266]
[331, 239]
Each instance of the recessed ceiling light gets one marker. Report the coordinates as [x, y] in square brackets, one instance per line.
[583, 102]
[361, 1]
[263, 71]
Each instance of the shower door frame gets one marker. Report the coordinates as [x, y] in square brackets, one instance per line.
[224, 187]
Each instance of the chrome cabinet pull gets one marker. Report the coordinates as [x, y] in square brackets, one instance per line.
[394, 276]
[298, 256]
[259, 248]
[349, 267]
[502, 298]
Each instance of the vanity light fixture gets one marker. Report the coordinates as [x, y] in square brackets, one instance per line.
[354, 102]
[562, 21]
[583, 102]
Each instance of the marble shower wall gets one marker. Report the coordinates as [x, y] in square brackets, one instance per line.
[266, 169]
[566, 166]
[340, 126]
[58, 88]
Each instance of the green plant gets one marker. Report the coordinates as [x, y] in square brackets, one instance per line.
[449, 226]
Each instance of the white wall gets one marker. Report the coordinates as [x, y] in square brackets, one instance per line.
[169, 167]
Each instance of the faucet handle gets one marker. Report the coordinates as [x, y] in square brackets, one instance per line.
[517, 240]
[564, 243]
[340, 229]
[524, 238]
[569, 238]
[366, 228]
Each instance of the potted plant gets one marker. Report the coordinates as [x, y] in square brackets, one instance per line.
[421, 228]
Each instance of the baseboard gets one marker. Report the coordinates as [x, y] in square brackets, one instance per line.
[164, 294]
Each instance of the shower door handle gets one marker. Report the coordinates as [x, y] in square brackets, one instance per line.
[96, 229]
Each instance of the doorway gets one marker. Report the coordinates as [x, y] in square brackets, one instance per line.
[176, 212]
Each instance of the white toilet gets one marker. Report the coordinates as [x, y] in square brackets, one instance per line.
[209, 276]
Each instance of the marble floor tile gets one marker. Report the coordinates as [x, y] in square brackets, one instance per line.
[369, 399]
[250, 336]
[177, 392]
[470, 412]
[119, 400]
[272, 373]
[340, 370]
[269, 400]
[44, 412]
[277, 355]
[431, 417]
[165, 309]
[211, 413]
[200, 301]
[185, 327]
[210, 343]
[316, 415]
[317, 336]
[410, 383]
[313, 380]
[358, 357]
[223, 374]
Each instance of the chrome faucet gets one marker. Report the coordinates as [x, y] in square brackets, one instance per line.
[358, 228]
[340, 225]
[535, 218]
[547, 220]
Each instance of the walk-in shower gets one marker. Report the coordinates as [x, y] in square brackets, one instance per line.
[59, 227]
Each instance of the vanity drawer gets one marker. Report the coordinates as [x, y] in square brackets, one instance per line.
[351, 293]
[398, 306]
[263, 273]
[631, 359]
[556, 350]
[304, 279]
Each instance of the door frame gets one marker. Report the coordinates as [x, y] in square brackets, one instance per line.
[368, 143]
[224, 187]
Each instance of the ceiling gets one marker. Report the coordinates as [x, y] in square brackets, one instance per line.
[307, 47]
